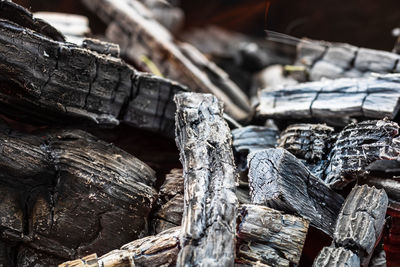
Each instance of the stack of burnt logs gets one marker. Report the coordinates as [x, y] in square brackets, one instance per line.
[317, 150]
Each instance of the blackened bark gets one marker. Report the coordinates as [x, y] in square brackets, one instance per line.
[336, 257]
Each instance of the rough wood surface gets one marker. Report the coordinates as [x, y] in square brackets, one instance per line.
[279, 180]
[69, 194]
[209, 219]
[61, 80]
[336, 257]
[374, 97]
[358, 146]
[129, 19]
[101, 47]
[361, 220]
[269, 237]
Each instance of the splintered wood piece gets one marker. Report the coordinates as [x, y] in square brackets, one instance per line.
[101, 47]
[361, 220]
[333, 99]
[391, 187]
[336, 60]
[88, 261]
[209, 218]
[336, 257]
[269, 237]
[279, 180]
[358, 146]
[70, 193]
[53, 80]
[143, 39]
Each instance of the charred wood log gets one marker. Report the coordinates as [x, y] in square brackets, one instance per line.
[101, 47]
[209, 219]
[358, 146]
[279, 180]
[336, 257]
[128, 20]
[333, 99]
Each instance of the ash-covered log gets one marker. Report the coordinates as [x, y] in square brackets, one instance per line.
[279, 180]
[209, 218]
[336, 257]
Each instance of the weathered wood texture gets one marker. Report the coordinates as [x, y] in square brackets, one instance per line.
[101, 47]
[66, 193]
[336, 60]
[269, 237]
[361, 220]
[142, 37]
[391, 187]
[209, 219]
[358, 146]
[336, 257]
[73, 82]
[279, 180]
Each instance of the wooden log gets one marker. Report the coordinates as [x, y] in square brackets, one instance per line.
[361, 220]
[358, 146]
[140, 36]
[375, 97]
[391, 187]
[66, 193]
[269, 237]
[209, 218]
[101, 47]
[336, 257]
[77, 84]
[279, 180]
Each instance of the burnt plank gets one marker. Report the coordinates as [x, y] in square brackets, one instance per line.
[209, 218]
[336, 257]
[279, 180]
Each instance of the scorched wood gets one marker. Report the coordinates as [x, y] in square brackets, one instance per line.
[336, 257]
[279, 180]
[209, 218]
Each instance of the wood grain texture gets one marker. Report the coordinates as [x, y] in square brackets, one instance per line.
[336, 257]
[279, 180]
[209, 219]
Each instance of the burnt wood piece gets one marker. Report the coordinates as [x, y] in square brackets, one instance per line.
[358, 146]
[279, 180]
[374, 97]
[378, 259]
[337, 60]
[142, 39]
[269, 237]
[115, 258]
[336, 257]
[61, 80]
[66, 194]
[87, 261]
[391, 187]
[250, 139]
[101, 47]
[361, 220]
[209, 218]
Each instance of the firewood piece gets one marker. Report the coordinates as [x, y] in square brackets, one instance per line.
[78, 84]
[277, 239]
[88, 261]
[379, 257]
[359, 145]
[172, 210]
[209, 219]
[361, 220]
[342, 98]
[172, 186]
[336, 257]
[279, 180]
[391, 187]
[129, 19]
[101, 47]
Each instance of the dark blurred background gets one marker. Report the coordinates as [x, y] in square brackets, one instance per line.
[366, 23]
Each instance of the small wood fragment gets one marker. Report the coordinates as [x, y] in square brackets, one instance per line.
[336, 257]
[101, 47]
[88, 261]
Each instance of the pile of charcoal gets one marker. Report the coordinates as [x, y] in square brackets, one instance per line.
[247, 153]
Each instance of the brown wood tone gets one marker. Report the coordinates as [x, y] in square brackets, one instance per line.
[279, 180]
[336, 257]
[157, 51]
[209, 218]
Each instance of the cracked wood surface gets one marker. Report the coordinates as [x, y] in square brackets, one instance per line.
[133, 27]
[209, 218]
[69, 194]
[333, 99]
[78, 84]
[279, 180]
[336, 257]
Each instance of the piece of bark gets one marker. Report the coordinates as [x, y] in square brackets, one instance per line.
[101, 47]
[140, 35]
[70, 194]
[374, 97]
[209, 219]
[358, 146]
[269, 237]
[62, 82]
[336, 257]
[279, 180]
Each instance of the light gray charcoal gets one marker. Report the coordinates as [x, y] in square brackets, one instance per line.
[279, 180]
[358, 146]
[336, 257]
[209, 219]
[361, 220]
